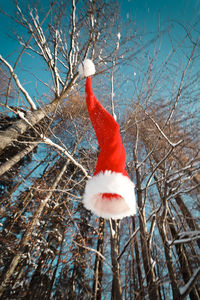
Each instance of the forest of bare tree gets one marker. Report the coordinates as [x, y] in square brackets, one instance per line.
[51, 247]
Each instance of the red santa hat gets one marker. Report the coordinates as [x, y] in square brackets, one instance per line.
[110, 192]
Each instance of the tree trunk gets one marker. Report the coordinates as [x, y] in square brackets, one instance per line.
[188, 216]
[116, 293]
[98, 267]
[140, 292]
[185, 267]
[56, 268]
[171, 270]
[31, 118]
[146, 255]
[16, 158]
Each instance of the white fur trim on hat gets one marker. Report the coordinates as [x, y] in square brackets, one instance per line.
[115, 183]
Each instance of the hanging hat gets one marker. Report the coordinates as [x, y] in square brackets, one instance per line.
[110, 192]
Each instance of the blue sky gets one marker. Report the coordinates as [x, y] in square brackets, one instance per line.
[146, 11]
[149, 14]
[146, 14]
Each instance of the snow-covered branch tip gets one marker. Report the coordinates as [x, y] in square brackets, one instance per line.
[19, 85]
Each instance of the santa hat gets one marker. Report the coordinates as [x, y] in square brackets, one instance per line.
[110, 192]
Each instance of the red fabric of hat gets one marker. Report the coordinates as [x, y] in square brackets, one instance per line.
[110, 192]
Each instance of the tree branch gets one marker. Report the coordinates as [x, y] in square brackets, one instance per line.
[64, 151]
[19, 85]
[185, 290]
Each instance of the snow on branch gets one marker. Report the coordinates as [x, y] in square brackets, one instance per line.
[153, 223]
[41, 42]
[72, 56]
[186, 237]
[66, 153]
[21, 88]
[183, 191]
[37, 32]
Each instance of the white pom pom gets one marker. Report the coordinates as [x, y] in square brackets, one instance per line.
[86, 68]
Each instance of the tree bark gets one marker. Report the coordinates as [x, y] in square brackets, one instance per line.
[116, 293]
[141, 294]
[146, 256]
[171, 270]
[98, 267]
[183, 256]
[16, 158]
[188, 216]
